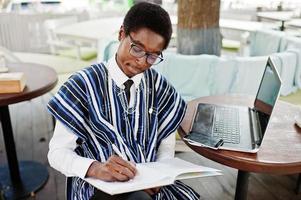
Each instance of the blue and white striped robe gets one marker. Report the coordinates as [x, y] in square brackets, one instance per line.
[96, 110]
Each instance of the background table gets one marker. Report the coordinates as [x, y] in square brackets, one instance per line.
[20, 179]
[90, 31]
[280, 152]
[97, 33]
[296, 23]
[281, 16]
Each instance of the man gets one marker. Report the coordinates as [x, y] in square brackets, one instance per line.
[121, 107]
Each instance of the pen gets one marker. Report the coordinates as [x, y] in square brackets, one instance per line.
[116, 150]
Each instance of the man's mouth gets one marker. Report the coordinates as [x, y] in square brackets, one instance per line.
[134, 69]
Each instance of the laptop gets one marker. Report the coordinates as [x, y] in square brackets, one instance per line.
[237, 128]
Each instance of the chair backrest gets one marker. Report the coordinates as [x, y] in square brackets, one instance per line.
[248, 75]
[297, 52]
[265, 42]
[290, 42]
[191, 75]
[13, 31]
[203, 75]
[287, 65]
[25, 32]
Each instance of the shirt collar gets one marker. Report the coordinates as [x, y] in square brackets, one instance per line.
[118, 76]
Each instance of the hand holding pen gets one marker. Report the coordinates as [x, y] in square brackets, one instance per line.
[116, 168]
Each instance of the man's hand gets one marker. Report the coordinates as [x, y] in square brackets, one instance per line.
[152, 191]
[114, 169]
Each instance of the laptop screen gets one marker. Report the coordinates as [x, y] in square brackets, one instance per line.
[267, 94]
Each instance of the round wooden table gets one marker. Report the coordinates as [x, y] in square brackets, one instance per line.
[20, 179]
[280, 152]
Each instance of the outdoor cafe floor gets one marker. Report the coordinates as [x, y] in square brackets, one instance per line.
[33, 130]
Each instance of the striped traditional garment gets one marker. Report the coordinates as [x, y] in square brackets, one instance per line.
[97, 112]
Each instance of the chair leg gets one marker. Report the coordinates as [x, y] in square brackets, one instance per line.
[298, 185]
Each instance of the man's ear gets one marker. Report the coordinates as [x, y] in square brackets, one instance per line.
[121, 34]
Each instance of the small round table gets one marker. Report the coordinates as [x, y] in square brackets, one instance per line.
[280, 152]
[20, 179]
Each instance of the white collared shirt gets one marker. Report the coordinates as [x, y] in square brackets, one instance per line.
[61, 154]
[120, 78]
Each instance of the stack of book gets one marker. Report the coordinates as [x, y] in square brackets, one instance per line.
[12, 82]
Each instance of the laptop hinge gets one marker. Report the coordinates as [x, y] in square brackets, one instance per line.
[255, 127]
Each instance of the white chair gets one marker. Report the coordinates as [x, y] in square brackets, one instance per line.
[22, 32]
[64, 47]
[265, 42]
[9, 56]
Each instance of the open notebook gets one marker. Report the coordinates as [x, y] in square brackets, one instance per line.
[155, 174]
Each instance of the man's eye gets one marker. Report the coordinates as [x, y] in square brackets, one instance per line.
[153, 57]
[137, 49]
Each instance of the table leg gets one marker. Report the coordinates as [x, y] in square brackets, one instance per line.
[298, 185]
[282, 27]
[16, 180]
[242, 183]
[9, 144]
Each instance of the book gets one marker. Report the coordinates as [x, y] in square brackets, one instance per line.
[155, 174]
[12, 82]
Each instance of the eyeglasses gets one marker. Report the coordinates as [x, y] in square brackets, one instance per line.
[151, 58]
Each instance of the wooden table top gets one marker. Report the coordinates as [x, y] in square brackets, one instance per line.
[280, 152]
[39, 80]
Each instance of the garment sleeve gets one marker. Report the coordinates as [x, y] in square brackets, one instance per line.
[70, 105]
[61, 154]
[171, 108]
[167, 147]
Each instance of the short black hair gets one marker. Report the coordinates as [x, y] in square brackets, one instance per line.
[151, 16]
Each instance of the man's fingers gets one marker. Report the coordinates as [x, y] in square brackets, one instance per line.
[119, 171]
[155, 190]
[115, 169]
[126, 164]
[120, 176]
[124, 171]
[149, 191]
[152, 191]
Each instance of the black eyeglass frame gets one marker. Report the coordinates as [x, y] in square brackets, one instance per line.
[159, 58]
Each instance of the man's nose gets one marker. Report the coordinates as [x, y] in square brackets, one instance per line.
[141, 60]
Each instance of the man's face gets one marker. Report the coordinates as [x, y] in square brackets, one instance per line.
[143, 40]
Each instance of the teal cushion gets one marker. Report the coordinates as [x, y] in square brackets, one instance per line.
[191, 75]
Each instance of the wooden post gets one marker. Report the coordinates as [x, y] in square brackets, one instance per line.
[198, 27]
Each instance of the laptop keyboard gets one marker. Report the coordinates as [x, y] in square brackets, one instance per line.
[226, 124]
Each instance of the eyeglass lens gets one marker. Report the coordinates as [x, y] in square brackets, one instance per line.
[150, 58]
